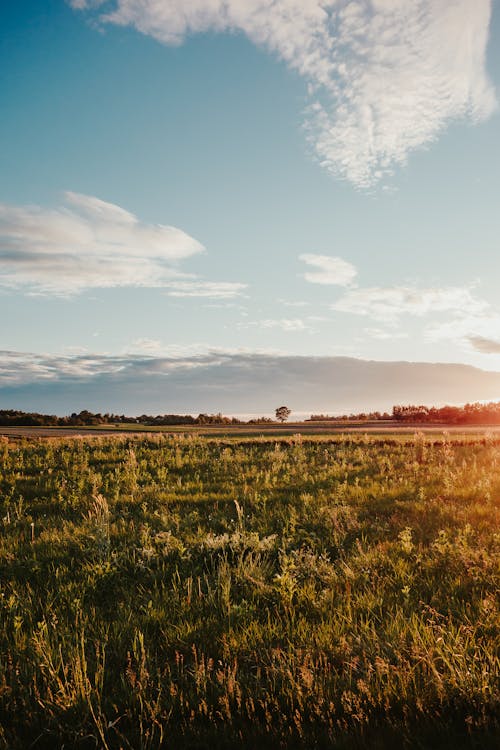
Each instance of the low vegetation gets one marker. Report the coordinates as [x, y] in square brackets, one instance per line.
[163, 592]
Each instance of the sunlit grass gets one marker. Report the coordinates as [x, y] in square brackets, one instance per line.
[335, 592]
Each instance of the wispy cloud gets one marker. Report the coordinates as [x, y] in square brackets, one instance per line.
[19, 368]
[290, 325]
[484, 345]
[385, 77]
[89, 243]
[479, 331]
[382, 334]
[152, 347]
[286, 324]
[328, 270]
[293, 303]
[212, 289]
[390, 303]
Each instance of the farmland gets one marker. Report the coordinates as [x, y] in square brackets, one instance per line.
[319, 591]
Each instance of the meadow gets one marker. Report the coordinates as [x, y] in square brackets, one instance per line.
[182, 591]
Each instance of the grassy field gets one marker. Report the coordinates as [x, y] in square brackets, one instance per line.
[186, 592]
[288, 429]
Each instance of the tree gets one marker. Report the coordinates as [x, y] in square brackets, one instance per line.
[282, 413]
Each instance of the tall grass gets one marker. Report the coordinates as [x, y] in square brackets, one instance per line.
[186, 592]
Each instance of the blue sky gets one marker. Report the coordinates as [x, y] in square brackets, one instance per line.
[192, 180]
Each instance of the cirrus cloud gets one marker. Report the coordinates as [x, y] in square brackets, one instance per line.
[385, 77]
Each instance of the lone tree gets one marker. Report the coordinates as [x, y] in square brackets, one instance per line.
[282, 413]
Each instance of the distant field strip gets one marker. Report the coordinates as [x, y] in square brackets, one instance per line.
[175, 591]
[290, 429]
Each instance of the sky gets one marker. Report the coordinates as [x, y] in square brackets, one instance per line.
[211, 205]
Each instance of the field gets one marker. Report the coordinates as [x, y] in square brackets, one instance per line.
[207, 592]
[275, 429]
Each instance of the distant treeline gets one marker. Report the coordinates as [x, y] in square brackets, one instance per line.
[469, 414]
[361, 417]
[15, 418]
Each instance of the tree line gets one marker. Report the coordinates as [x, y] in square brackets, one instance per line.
[475, 413]
[16, 418]
[371, 416]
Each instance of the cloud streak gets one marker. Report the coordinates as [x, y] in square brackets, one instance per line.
[385, 77]
[478, 332]
[484, 345]
[212, 289]
[390, 303]
[328, 270]
[88, 243]
[289, 325]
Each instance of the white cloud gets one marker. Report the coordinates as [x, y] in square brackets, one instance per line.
[382, 334]
[388, 304]
[286, 324]
[410, 68]
[18, 368]
[213, 289]
[385, 77]
[477, 331]
[290, 325]
[142, 358]
[329, 270]
[154, 348]
[293, 303]
[88, 243]
[146, 346]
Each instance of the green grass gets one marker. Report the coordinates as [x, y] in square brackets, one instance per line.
[195, 593]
